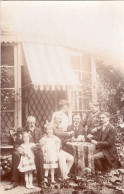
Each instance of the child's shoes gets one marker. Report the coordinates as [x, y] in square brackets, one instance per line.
[45, 180]
[31, 186]
[53, 182]
[27, 185]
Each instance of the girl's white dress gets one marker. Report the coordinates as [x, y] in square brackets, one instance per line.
[50, 147]
[27, 159]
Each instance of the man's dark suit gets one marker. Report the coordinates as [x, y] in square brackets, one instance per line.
[35, 136]
[92, 120]
[106, 145]
[78, 130]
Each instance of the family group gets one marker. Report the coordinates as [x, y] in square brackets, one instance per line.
[45, 150]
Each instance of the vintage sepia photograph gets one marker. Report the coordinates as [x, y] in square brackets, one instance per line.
[62, 97]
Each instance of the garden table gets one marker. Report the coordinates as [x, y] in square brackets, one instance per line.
[83, 156]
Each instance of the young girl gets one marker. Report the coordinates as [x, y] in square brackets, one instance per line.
[50, 145]
[27, 163]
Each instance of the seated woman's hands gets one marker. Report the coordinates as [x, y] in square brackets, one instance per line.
[71, 133]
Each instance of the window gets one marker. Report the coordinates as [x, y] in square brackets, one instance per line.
[81, 96]
[81, 65]
[7, 92]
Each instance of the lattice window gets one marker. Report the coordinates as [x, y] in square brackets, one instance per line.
[7, 121]
[41, 104]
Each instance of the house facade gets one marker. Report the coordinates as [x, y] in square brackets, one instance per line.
[36, 73]
[22, 97]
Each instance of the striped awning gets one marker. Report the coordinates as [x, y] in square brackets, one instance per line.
[49, 66]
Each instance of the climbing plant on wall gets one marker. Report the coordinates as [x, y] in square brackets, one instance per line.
[110, 87]
[7, 95]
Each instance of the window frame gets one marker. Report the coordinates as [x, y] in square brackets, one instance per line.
[17, 84]
[77, 90]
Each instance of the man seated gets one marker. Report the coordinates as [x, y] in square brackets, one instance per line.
[76, 126]
[66, 160]
[106, 152]
[92, 122]
[35, 136]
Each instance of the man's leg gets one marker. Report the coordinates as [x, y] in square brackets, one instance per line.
[97, 161]
[39, 167]
[14, 171]
[15, 162]
[69, 160]
[65, 163]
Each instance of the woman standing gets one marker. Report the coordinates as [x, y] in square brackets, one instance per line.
[63, 106]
